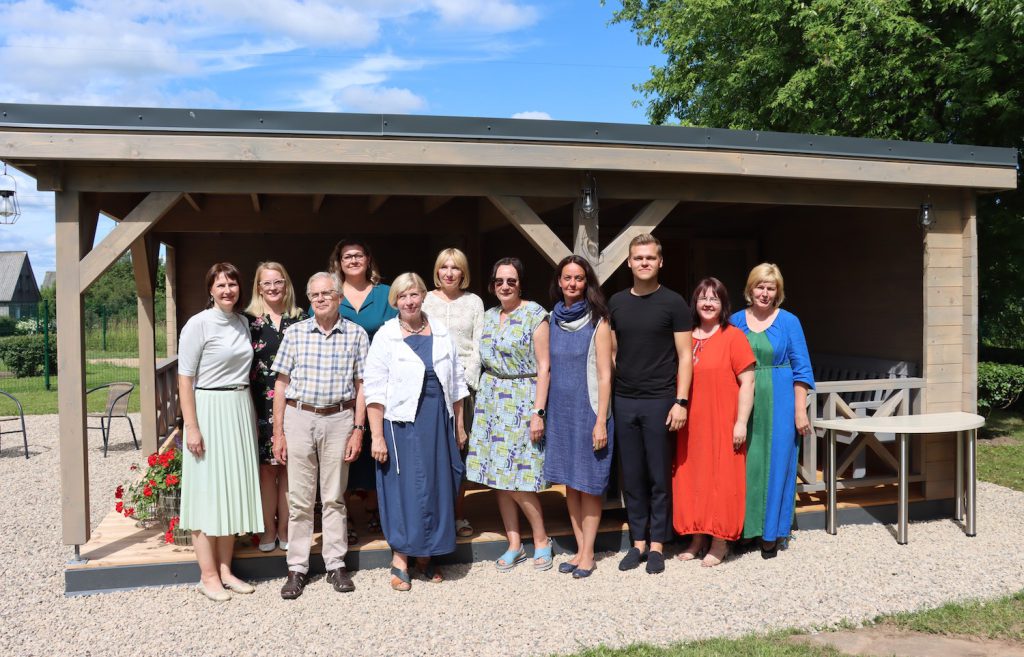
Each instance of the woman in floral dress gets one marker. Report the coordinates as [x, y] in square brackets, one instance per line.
[271, 311]
[506, 449]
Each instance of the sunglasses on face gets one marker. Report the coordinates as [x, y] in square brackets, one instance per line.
[511, 282]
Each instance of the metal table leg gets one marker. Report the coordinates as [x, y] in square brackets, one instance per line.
[830, 482]
[959, 512]
[972, 481]
[903, 511]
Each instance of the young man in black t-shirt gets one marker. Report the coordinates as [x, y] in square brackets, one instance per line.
[653, 365]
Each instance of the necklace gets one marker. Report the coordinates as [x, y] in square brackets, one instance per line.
[405, 326]
[698, 343]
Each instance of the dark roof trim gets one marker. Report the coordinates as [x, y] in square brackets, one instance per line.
[135, 119]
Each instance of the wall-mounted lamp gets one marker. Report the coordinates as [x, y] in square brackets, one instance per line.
[9, 209]
[588, 197]
[925, 216]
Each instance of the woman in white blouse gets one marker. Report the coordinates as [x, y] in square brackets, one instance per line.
[220, 487]
[462, 313]
[414, 389]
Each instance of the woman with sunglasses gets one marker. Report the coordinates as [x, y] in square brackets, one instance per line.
[506, 451]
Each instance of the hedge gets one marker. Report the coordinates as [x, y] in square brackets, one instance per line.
[23, 354]
[999, 385]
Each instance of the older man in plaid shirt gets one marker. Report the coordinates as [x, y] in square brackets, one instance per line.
[319, 421]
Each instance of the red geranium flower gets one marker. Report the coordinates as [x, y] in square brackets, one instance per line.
[173, 524]
[129, 512]
[147, 491]
[152, 482]
[119, 507]
[171, 480]
[119, 493]
[153, 459]
[169, 536]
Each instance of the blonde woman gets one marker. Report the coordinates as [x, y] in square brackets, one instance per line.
[782, 378]
[270, 312]
[414, 391]
[462, 313]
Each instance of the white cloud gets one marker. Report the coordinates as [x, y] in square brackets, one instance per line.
[378, 100]
[533, 114]
[491, 15]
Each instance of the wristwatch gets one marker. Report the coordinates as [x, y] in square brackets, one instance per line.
[685, 403]
[539, 412]
[365, 428]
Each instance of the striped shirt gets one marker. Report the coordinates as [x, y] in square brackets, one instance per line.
[322, 367]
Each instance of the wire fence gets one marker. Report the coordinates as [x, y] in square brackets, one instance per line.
[28, 352]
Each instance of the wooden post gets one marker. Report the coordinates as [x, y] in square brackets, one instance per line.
[144, 251]
[970, 283]
[585, 236]
[171, 298]
[76, 220]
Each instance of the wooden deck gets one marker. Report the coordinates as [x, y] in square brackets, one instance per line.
[121, 555]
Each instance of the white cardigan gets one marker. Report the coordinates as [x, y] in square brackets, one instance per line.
[394, 373]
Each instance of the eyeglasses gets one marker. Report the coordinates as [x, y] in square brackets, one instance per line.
[711, 300]
[314, 296]
[511, 282]
[349, 257]
[270, 285]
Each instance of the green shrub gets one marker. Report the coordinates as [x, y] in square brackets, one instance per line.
[23, 354]
[7, 325]
[999, 385]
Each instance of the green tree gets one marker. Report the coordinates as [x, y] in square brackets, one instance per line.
[923, 70]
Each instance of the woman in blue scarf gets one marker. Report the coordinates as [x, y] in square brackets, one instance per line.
[578, 428]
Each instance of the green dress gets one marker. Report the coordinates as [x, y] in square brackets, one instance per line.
[501, 454]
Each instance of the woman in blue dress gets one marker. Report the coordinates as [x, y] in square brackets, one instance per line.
[579, 425]
[365, 302]
[414, 387]
[782, 378]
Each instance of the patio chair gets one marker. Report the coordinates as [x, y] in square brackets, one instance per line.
[20, 418]
[118, 395]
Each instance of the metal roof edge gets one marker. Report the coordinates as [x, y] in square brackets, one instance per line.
[252, 122]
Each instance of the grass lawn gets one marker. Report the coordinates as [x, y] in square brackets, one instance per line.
[1001, 450]
[999, 619]
[36, 400]
[774, 645]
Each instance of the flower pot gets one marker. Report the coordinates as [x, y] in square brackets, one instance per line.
[169, 506]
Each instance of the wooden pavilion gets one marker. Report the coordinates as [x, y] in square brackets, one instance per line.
[889, 306]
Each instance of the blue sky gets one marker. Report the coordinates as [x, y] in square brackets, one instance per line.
[556, 59]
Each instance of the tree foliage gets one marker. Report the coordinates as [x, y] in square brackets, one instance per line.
[923, 70]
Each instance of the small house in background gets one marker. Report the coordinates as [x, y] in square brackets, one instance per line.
[18, 286]
[49, 280]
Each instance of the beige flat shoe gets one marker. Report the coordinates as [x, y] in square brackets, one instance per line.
[244, 588]
[218, 596]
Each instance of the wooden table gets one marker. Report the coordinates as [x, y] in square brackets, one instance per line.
[905, 426]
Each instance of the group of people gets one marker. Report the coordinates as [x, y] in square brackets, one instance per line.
[402, 394]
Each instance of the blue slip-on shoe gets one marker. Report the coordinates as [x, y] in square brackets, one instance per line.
[566, 568]
[581, 573]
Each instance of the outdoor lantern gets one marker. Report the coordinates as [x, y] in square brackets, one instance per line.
[925, 217]
[9, 210]
[588, 197]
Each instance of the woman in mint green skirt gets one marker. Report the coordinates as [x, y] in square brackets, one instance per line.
[220, 487]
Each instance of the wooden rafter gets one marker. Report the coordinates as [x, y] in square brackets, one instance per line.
[375, 202]
[532, 227]
[645, 221]
[318, 201]
[193, 200]
[255, 198]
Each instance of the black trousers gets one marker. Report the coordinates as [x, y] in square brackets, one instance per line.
[645, 448]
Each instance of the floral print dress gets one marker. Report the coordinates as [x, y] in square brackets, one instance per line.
[501, 454]
[266, 339]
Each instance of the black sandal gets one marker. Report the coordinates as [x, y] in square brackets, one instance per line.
[373, 523]
[769, 552]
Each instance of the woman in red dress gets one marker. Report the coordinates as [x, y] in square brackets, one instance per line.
[709, 476]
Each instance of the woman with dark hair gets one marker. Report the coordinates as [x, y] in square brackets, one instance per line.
[220, 483]
[506, 451]
[708, 481]
[365, 302]
[578, 427]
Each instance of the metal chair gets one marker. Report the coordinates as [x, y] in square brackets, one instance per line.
[20, 418]
[118, 395]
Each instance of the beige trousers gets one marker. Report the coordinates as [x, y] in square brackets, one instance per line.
[316, 452]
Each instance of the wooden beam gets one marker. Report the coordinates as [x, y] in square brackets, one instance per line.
[138, 222]
[144, 251]
[171, 297]
[193, 200]
[74, 455]
[252, 149]
[374, 202]
[532, 227]
[458, 181]
[49, 177]
[431, 203]
[255, 198]
[645, 221]
[318, 201]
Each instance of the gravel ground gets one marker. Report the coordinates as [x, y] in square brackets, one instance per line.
[821, 580]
